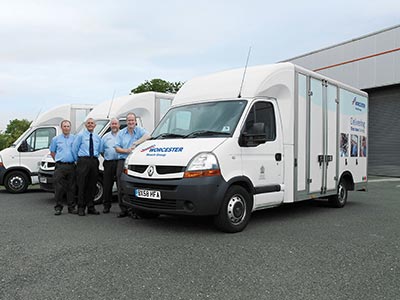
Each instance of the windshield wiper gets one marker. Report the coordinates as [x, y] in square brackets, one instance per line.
[167, 135]
[206, 133]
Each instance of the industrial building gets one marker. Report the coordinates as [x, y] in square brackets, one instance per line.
[371, 63]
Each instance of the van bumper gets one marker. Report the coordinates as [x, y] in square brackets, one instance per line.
[2, 174]
[46, 180]
[187, 196]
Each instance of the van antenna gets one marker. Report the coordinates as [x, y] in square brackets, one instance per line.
[38, 114]
[244, 73]
[112, 101]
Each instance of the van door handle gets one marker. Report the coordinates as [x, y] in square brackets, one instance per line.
[278, 156]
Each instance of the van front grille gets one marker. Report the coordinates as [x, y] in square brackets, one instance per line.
[154, 203]
[162, 170]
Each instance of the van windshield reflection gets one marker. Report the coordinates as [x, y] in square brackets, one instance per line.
[208, 119]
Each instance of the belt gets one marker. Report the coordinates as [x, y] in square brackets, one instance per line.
[64, 163]
[87, 157]
[111, 160]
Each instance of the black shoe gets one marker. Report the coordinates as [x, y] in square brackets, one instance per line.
[106, 210]
[58, 212]
[92, 211]
[81, 212]
[134, 215]
[73, 211]
[123, 214]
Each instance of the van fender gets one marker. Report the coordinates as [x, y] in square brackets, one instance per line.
[21, 169]
[347, 177]
[244, 182]
[241, 181]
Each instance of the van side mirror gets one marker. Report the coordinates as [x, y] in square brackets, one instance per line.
[254, 136]
[23, 147]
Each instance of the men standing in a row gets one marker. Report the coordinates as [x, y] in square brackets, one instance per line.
[64, 174]
[128, 139]
[110, 163]
[86, 149]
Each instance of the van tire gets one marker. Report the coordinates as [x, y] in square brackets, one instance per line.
[235, 211]
[340, 199]
[16, 182]
[99, 193]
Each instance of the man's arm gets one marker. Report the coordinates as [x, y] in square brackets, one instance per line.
[145, 137]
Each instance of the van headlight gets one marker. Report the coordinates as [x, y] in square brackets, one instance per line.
[203, 164]
[126, 163]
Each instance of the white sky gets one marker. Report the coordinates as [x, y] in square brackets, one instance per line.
[81, 51]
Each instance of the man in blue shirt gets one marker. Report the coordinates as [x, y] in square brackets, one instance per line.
[127, 140]
[86, 149]
[110, 163]
[64, 174]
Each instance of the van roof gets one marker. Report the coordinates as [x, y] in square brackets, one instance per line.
[259, 81]
[119, 107]
[55, 115]
[226, 84]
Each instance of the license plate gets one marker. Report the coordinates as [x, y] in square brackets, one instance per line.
[42, 179]
[148, 194]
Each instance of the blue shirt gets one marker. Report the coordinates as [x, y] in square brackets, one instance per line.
[61, 145]
[108, 149]
[80, 146]
[125, 139]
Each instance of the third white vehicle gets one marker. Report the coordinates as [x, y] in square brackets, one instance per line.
[19, 164]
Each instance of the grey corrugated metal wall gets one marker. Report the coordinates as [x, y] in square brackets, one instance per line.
[384, 131]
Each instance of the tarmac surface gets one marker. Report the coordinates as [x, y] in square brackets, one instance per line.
[305, 250]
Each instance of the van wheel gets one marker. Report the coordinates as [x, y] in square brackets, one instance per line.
[340, 199]
[234, 214]
[146, 214]
[16, 182]
[98, 196]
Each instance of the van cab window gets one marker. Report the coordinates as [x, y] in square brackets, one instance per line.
[261, 120]
[39, 139]
[208, 119]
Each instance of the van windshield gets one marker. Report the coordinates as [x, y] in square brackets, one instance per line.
[21, 137]
[209, 119]
[100, 124]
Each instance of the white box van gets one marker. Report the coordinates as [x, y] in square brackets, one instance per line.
[149, 108]
[19, 164]
[287, 135]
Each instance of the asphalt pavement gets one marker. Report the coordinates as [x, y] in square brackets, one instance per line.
[305, 250]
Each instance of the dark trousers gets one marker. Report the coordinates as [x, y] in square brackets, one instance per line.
[120, 169]
[64, 179]
[110, 176]
[87, 170]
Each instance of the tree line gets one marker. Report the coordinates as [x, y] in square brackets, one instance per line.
[14, 129]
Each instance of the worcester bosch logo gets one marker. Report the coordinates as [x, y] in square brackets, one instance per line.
[360, 106]
[153, 150]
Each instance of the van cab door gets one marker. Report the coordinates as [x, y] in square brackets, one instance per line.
[261, 152]
[34, 147]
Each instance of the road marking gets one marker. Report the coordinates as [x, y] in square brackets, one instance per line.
[385, 179]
